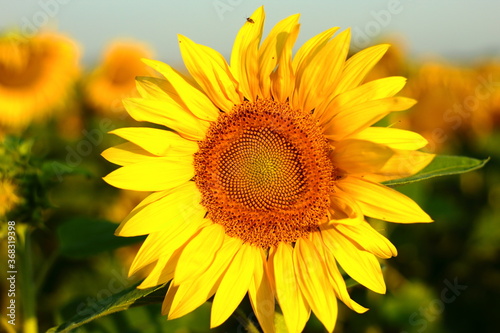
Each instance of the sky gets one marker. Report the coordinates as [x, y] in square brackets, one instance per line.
[451, 29]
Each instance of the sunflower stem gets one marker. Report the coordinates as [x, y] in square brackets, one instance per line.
[245, 321]
[28, 293]
[42, 275]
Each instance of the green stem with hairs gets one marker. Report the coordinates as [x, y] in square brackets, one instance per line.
[27, 287]
[247, 323]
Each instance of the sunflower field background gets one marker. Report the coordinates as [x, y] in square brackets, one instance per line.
[58, 102]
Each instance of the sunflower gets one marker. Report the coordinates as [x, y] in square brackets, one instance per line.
[442, 114]
[484, 106]
[35, 76]
[9, 197]
[262, 181]
[114, 79]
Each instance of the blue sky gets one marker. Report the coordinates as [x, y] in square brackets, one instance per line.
[448, 28]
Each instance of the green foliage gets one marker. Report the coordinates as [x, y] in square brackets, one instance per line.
[126, 299]
[442, 166]
[147, 319]
[19, 166]
[83, 237]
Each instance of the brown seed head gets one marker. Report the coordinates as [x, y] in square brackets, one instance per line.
[264, 173]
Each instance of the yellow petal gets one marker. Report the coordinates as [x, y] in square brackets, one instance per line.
[373, 90]
[403, 163]
[166, 114]
[345, 209]
[162, 272]
[153, 197]
[381, 202]
[157, 174]
[331, 66]
[336, 279]
[391, 137]
[159, 89]
[272, 48]
[184, 298]
[352, 119]
[234, 284]
[166, 241]
[212, 73]
[323, 73]
[309, 50]
[145, 256]
[295, 309]
[199, 253]
[127, 153]
[283, 77]
[171, 211]
[261, 294]
[360, 156]
[369, 239]
[370, 91]
[361, 265]
[244, 64]
[196, 101]
[314, 282]
[156, 141]
[357, 66]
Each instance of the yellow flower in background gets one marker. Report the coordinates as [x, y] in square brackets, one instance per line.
[442, 91]
[118, 208]
[36, 75]
[114, 79]
[262, 184]
[485, 112]
[9, 197]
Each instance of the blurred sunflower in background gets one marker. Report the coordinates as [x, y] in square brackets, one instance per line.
[36, 77]
[262, 183]
[457, 103]
[440, 115]
[486, 119]
[9, 196]
[114, 78]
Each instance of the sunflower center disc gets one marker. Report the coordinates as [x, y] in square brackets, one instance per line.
[19, 63]
[264, 173]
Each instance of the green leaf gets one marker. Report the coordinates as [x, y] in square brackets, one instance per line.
[442, 165]
[128, 298]
[148, 319]
[55, 169]
[82, 237]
